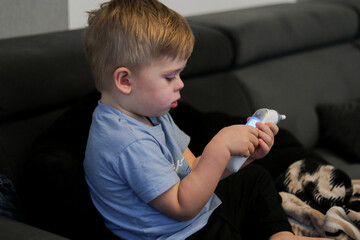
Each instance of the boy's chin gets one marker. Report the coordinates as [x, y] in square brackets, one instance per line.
[160, 113]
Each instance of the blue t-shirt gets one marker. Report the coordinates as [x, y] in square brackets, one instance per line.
[128, 164]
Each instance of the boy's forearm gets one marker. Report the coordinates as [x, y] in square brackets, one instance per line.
[226, 173]
[196, 189]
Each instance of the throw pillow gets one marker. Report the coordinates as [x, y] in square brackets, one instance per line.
[58, 196]
[340, 129]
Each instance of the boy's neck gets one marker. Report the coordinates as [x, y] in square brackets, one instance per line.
[108, 101]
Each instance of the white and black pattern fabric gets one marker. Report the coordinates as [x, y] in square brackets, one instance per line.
[320, 200]
[319, 185]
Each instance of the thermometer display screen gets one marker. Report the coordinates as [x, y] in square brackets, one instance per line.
[252, 122]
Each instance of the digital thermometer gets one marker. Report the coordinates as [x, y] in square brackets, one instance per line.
[262, 115]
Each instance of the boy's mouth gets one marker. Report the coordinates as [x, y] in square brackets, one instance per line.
[174, 104]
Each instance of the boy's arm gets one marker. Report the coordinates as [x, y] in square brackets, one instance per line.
[185, 199]
[193, 161]
[190, 158]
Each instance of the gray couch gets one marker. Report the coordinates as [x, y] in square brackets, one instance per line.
[296, 58]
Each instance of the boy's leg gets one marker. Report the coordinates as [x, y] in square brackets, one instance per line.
[216, 228]
[251, 207]
[252, 204]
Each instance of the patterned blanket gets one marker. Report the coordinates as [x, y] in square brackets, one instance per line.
[320, 200]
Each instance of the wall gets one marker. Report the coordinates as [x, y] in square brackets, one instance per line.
[26, 17]
[77, 8]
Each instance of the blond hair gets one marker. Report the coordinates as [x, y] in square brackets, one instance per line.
[131, 33]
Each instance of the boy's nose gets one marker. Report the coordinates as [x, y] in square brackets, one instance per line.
[180, 85]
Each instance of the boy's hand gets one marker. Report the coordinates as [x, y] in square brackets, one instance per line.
[266, 136]
[239, 140]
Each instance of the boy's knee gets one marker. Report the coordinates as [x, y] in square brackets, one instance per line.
[251, 177]
[254, 171]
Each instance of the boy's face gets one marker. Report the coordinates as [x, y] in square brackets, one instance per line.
[156, 88]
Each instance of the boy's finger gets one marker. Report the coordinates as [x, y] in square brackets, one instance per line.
[268, 139]
[274, 128]
[263, 147]
[266, 128]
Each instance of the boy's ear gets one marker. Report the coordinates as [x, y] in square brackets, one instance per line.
[122, 80]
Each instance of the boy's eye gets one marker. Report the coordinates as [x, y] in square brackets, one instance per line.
[173, 75]
[170, 78]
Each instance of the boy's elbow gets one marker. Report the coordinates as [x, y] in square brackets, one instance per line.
[181, 209]
[185, 215]
[182, 213]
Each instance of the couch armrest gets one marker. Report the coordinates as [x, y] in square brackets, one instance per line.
[11, 229]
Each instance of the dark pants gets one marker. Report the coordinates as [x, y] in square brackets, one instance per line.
[250, 209]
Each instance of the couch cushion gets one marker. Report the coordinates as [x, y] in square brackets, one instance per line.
[45, 70]
[355, 4]
[11, 229]
[340, 129]
[285, 28]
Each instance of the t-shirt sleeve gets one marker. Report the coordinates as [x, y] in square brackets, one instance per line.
[146, 170]
[180, 136]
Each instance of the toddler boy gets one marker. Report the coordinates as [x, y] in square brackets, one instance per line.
[142, 176]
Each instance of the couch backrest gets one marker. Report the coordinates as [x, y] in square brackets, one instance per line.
[289, 57]
[209, 84]
[275, 30]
